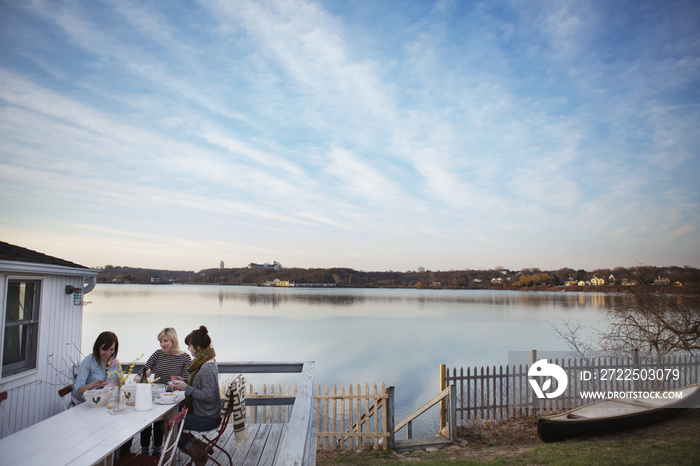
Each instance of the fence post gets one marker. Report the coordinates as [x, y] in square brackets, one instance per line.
[535, 400]
[254, 414]
[635, 365]
[389, 416]
[443, 404]
[453, 413]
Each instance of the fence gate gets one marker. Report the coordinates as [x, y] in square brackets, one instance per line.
[345, 418]
[355, 419]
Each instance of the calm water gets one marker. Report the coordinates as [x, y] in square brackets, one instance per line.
[397, 337]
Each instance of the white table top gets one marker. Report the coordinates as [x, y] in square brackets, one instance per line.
[79, 436]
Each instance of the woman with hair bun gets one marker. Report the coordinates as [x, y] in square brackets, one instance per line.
[201, 391]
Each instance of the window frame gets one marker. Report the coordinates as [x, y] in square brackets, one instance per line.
[22, 369]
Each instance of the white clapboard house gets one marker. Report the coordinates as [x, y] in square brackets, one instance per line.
[41, 305]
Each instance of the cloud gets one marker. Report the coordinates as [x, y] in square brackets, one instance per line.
[356, 130]
[358, 177]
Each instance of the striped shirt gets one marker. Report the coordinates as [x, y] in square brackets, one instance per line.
[165, 365]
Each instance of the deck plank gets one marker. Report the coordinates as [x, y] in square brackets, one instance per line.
[255, 446]
[239, 454]
[260, 449]
[272, 445]
[293, 450]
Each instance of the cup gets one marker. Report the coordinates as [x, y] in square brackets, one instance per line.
[158, 390]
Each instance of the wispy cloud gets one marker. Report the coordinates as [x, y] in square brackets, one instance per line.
[459, 132]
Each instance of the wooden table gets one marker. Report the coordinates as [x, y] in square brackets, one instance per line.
[79, 436]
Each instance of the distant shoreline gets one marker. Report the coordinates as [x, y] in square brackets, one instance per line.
[612, 289]
[616, 280]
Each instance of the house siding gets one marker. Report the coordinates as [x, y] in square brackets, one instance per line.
[59, 340]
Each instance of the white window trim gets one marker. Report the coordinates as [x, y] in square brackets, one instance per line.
[30, 375]
[18, 380]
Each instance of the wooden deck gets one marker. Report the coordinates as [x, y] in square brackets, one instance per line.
[289, 444]
[262, 448]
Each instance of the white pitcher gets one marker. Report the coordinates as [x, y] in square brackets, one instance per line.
[144, 401]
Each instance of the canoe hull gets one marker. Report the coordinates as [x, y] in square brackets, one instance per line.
[557, 428]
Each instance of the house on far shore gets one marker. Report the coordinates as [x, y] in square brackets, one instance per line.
[41, 305]
[278, 282]
[595, 281]
[662, 281]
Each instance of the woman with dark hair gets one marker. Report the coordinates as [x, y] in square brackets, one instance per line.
[92, 372]
[201, 391]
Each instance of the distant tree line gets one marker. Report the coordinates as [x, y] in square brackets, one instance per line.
[498, 278]
[656, 320]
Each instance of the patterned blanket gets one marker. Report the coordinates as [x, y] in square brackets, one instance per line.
[235, 393]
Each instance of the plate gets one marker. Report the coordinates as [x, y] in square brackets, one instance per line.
[172, 400]
[161, 402]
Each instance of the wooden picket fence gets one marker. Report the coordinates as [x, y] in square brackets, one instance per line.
[345, 419]
[276, 414]
[499, 393]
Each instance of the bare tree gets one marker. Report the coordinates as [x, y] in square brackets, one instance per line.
[652, 319]
[570, 332]
[648, 318]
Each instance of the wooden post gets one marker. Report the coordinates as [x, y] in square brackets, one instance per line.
[360, 440]
[389, 416]
[443, 404]
[535, 400]
[327, 426]
[342, 413]
[635, 365]
[254, 409]
[453, 413]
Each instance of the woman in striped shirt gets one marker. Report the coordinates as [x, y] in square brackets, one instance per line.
[166, 362]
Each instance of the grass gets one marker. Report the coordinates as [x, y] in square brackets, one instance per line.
[673, 442]
[616, 452]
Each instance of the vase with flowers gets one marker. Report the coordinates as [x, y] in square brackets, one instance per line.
[120, 377]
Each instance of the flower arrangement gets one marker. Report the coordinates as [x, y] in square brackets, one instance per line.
[118, 371]
[120, 377]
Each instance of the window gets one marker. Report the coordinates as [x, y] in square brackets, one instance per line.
[21, 326]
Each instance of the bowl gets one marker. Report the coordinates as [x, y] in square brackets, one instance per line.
[96, 398]
[168, 397]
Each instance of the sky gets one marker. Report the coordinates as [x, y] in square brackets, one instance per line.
[386, 135]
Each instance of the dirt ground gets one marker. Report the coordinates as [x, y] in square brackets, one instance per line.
[489, 440]
[502, 440]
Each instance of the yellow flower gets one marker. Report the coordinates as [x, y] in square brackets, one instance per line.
[119, 371]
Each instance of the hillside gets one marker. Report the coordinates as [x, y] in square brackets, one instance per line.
[499, 278]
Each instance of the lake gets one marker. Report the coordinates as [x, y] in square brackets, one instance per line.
[394, 336]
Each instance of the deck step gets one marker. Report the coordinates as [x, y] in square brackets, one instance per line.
[421, 443]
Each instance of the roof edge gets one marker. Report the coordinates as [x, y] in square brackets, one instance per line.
[46, 269]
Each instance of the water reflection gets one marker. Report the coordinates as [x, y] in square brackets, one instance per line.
[399, 337]
[264, 296]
